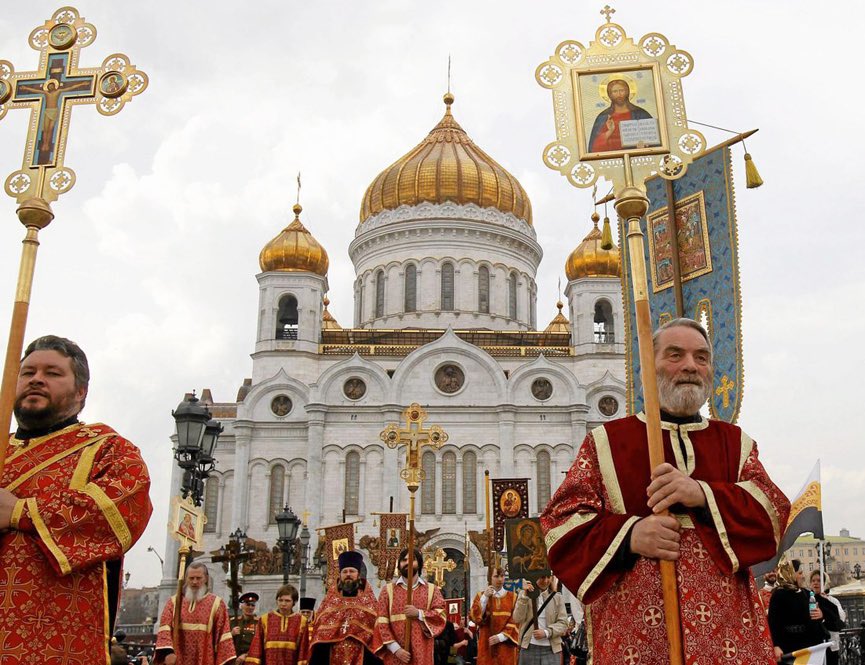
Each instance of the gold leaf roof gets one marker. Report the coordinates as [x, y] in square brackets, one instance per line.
[327, 320]
[446, 166]
[560, 323]
[294, 250]
[589, 260]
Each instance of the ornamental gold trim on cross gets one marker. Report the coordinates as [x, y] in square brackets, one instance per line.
[589, 83]
[414, 437]
[51, 91]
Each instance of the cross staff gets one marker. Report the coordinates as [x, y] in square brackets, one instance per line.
[438, 563]
[414, 437]
[50, 92]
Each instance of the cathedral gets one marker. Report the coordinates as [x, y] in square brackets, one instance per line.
[445, 314]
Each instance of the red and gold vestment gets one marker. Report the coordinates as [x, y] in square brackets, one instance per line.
[604, 494]
[280, 640]
[343, 628]
[205, 633]
[390, 625]
[83, 502]
[496, 618]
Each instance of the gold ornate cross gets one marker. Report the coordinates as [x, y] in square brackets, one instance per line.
[438, 564]
[306, 515]
[607, 12]
[724, 389]
[51, 91]
[414, 437]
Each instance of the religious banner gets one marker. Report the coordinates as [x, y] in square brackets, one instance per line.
[510, 500]
[454, 608]
[187, 523]
[392, 538]
[527, 550]
[338, 538]
[708, 247]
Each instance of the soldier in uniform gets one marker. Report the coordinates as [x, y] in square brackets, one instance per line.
[243, 627]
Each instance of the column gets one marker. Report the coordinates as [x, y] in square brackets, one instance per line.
[361, 498]
[239, 511]
[533, 485]
[439, 486]
[459, 487]
[507, 417]
[313, 485]
[393, 459]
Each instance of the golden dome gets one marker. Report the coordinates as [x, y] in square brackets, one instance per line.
[446, 166]
[294, 250]
[327, 320]
[589, 260]
[560, 323]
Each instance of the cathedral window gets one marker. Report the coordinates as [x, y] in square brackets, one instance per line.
[286, 320]
[352, 483]
[543, 479]
[410, 288]
[484, 289]
[604, 322]
[428, 487]
[449, 483]
[277, 492]
[359, 317]
[379, 295]
[211, 504]
[533, 317]
[470, 483]
[512, 295]
[447, 287]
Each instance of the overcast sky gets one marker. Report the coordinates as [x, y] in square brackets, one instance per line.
[150, 263]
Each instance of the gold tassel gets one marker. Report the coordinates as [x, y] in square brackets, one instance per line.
[607, 235]
[752, 176]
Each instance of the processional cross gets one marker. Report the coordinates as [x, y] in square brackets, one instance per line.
[50, 92]
[438, 564]
[414, 437]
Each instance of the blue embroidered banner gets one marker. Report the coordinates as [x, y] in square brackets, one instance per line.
[709, 263]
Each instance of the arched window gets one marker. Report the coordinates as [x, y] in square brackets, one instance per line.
[360, 301]
[410, 288]
[352, 483]
[533, 317]
[484, 289]
[286, 319]
[379, 294]
[449, 483]
[604, 322]
[447, 287]
[211, 504]
[512, 295]
[543, 480]
[277, 493]
[428, 487]
[470, 483]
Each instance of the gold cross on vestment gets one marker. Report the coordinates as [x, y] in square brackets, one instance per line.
[345, 625]
[414, 437]
[51, 91]
[724, 389]
[438, 564]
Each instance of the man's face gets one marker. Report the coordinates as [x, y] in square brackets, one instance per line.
[684, 367]
[284, 604]
[248, 608]
[307, 613]
[619, 93]
[498, 580]
[543, 582]
[349, 573]
[196, 579]
[771, 577]
[46, 392]
[403, 565]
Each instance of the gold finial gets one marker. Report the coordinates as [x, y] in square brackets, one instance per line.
[326, 302]
[448, 99]
[560, 304]
[596, 218]
[606, 12]
[297, 209]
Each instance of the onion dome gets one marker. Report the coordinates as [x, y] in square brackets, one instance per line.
[327, 320]
[589, 260]
[294, 250]
[446, 166]
[560, 323]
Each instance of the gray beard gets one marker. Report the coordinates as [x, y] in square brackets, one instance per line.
[194, 595]
[683, 399]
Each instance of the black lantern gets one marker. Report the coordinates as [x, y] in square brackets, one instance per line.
[191, 418]
[287, 523]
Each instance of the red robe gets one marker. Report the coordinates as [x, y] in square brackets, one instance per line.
[279, 640]
[390, 625]
[494, 620]
[83, 502]
[205, 633]
[604, 494]
[345, 624]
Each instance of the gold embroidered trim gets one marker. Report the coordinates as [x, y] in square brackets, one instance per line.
[213, 611]
[595, 572]
[20, 448]
[681, 463]
[608, 470]
[575, 520]
[719, 524]
[16, 513]
[279, 644]
[382, 620]
[691, 460]
[747, 445]
[760, 496]
[39, 467]
[45, 535]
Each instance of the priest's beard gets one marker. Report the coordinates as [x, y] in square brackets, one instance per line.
[350, 587]
[50, 414]
[684, 394]
[194, 595]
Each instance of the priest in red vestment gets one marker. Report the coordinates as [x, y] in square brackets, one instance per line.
[344, 623]
[426, 611]
[492, 609]
[74, 499]
[604, 534]
[205, 631]
[282, 637]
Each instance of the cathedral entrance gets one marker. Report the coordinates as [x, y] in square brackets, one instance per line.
[455, 586]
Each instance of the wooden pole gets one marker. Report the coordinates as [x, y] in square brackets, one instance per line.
[410, 579]
[178, 598]
[632, 204]
[488, 507]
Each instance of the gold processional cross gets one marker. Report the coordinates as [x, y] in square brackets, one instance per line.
[438, 564]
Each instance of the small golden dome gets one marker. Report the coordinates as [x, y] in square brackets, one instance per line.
[446, 166]
[328, 322]
[589, 260]
[294, 250]
[560, 323]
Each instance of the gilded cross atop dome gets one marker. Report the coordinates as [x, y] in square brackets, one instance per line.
[607, 12]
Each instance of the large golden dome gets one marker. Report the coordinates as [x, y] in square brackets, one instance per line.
[446, 166]
[589, 260]
[294, 250]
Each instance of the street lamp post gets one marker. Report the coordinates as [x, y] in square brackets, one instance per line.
[234, 554]
[287, 524]
[304, 557]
